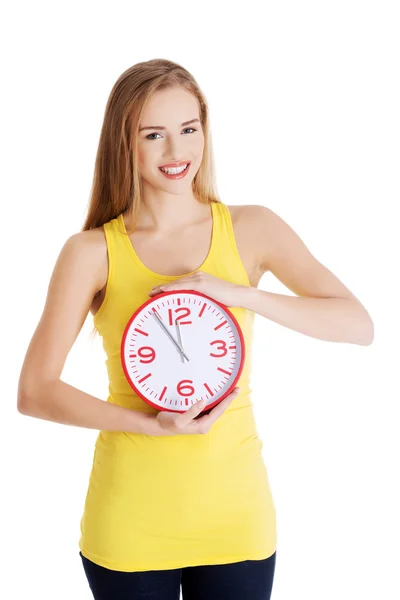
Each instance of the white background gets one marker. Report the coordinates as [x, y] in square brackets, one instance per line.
[304, 100]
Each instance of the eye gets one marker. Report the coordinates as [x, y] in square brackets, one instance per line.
[155, 133]
[148, 136]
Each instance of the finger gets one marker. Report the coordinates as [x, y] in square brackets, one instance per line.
[223, 405]
[192, 411]
[219, 409]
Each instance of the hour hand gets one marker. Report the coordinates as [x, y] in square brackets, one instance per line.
[169, 334]
[178, 328]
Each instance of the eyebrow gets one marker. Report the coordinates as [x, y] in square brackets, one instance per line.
[161, 127]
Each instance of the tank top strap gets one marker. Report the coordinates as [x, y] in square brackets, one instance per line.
[225, 260]
[119, 279]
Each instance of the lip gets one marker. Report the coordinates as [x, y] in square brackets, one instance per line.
[174, 165]
[178, 175]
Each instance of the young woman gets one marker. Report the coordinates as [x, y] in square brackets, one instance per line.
[175, 500]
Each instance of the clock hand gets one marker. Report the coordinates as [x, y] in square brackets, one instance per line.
[178, 327]
[169, 334]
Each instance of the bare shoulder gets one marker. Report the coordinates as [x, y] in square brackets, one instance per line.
[250, 223]
[261, 223]
[91, 237]
[92, 241]
[248, 215]
[92, 244]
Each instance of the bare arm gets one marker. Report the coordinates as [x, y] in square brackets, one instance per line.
[41, 393]
[323, 308]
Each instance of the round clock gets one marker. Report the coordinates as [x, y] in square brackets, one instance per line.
[180, 347]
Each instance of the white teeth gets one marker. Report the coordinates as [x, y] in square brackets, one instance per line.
[174, 171]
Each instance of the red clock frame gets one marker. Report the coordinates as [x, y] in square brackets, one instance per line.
[177, 292]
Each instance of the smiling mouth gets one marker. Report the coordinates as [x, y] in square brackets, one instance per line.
[175, 175]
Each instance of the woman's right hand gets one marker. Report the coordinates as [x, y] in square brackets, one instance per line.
[173, 423]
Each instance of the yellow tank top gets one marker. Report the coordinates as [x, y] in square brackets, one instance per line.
[165, 502]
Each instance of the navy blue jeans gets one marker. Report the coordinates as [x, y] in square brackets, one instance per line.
[245, 580]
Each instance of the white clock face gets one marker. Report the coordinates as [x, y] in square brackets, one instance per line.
[181, 347]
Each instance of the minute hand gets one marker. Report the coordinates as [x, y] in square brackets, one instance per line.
[170, 335]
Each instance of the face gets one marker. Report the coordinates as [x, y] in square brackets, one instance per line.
[169, 138]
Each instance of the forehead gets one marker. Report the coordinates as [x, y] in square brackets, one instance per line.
[170, 106]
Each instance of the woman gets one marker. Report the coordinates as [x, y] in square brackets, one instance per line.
[175, 500]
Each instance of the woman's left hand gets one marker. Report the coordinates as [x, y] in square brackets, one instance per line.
[220, 290]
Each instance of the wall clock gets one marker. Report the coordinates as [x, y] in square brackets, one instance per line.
[180, 347]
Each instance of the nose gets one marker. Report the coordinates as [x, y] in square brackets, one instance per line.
[174, 149]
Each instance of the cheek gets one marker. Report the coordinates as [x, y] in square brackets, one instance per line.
[199, 147]
[144, 159]
[199, 155]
